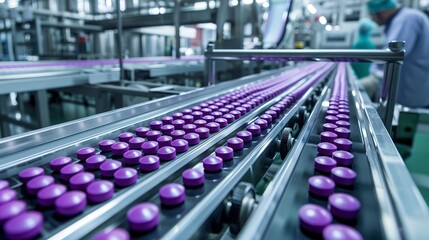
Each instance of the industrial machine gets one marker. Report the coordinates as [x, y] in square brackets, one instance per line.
[292, 153]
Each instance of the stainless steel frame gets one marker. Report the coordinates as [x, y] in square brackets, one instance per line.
[392, 57]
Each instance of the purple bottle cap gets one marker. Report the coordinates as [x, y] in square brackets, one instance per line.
[70, 170]
[141, 131]
[59, 163]
[343, 158]
[325, 148]
[150, 147]
[120, 148]
[254, 129]
[343, 124]
[203, 132]
[262, 123]
[321, 186]
[343, 176]
[344, 206]
[177, 116]
[167, 153]
[208, 118]
[125, 177]
[206, 111]
[193, 177]
[155, 125]
[4, 184]
[328, 137]
[313, 218]
[125, 137]
[212, 164]
[112, 234]
[180, 145]
[223, 110]
[26, 225]
[186, 111]
[329, 127]
[47, 196]
[235, 143]
[236, 114]
[331, 112]
[229, 117]
[164, 141]
[167, 120]
[188, 119]
[100, 191]
[342, 132]
[136, 142]
[200, 123]
[324, 164]
[197, 115]
[192, 138]
[172, 194]
[266, 117]
[222, 122]
[149, 163]
[11, 209]
[178, 124]
[246, 136]
[153, 135]
[331, 119]
[38, 183]
[213, 127]
[143, 217]
[85, 152]
[106, 145]
[29, 173]
[177, 134]
[343, 144]
[225, 153]
[216, 114]
[167, 129]
[109, 167]
[81, 180]
[7, 195]
[344, 111]
[94, 162]
[71, 203]
[188, 128]
[341, 232]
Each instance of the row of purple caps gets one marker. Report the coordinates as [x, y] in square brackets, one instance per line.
[73, 202]
[145, 216]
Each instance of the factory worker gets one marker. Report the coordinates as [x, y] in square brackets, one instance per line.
[411, 26]
[363, 42]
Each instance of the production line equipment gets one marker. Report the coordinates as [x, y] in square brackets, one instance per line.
[292, 153]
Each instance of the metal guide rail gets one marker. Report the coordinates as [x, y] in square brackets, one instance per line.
[50, 189]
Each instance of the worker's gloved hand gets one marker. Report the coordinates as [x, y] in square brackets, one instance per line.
[372, 86]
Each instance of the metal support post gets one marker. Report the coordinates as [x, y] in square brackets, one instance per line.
[389, 88]
[210, 65]
[42, 108]
[4, 110]
[177, 26]
[120, 50]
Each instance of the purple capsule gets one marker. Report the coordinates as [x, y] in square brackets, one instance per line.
[71, 203]
[225, 153]
[343, 124]
[164, 141]
[136, 142]
[4, 184]
[81, 180]
[70, 170]
[47, 196]
[112, 234]
[150, 147]
[100, 191]
[125, 137]
[235, 143]
[343, 158]
[167, 129]
[59, 163]
[262, 123]
[180, 145]
[344, 206]
[246, 136]
[223, 110]
[331, 119]
[193, 177]
[313, 218]
[188, 128]
[266, 117]
[331, 113]
[109, 167]
[11, 209]
[7, 195]
[342, 132]
[177, 134]
[212, 164]
[328, 137]
[199, 123]
[222, 122]
[178, 124]
[155, 125]
[153, 135]
[192, 138]
[167, 153]
[125, 177]
[149, 163]
[94, 162]
[167, 120]
[203, 132]
[206, 111]
[343, 144]
[120, 148]
[38, 183]
[326, 149]
[172, 194]
[321, 186]
[216, 114]
[213, 127]
[229, 117]
[143, 217]
[30, 173]
[197, 115]
[208, 118]
[236, 114]
[324, 164]
[177, 116]
[141, 131]
[272, 113]
[341, 232]
[188, 118]
[84, 153]
[343, 176]
[26, 225]
[329, 127]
